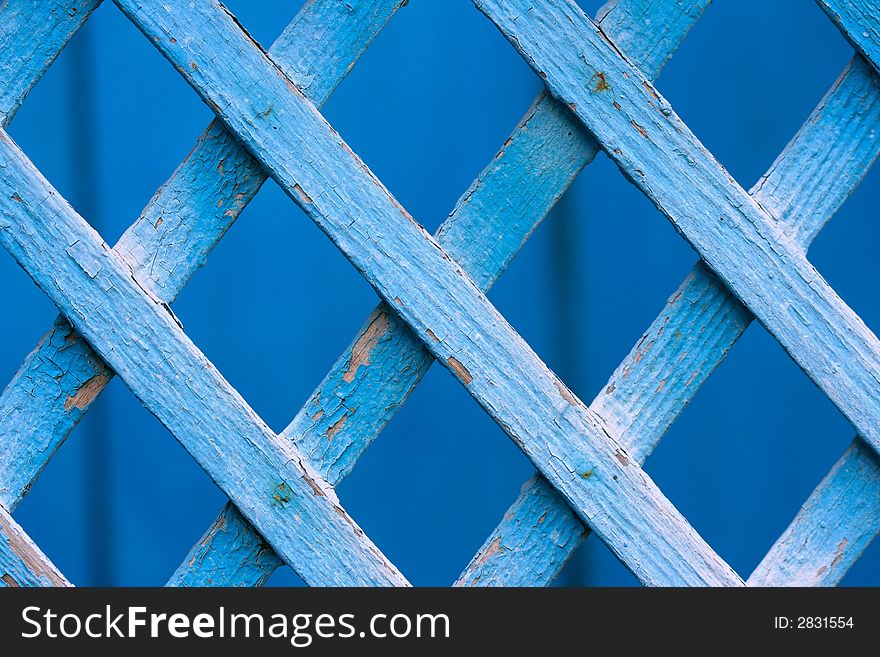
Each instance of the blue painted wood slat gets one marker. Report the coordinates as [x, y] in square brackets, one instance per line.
[825, 539]
[21, 561]
[832, 529]
[428, 291]
[61, 378]
[296, 511]
[701, 322]
[374, 376]
[859, 22]
[737, 238]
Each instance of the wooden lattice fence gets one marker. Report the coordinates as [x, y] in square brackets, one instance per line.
[115, 315]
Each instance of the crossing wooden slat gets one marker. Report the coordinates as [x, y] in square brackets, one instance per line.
[735, 236]
[429, 292]
[483, 233]
[136, 334]
[62, 376]
[765, 237]
[230, 553]
[804, 187]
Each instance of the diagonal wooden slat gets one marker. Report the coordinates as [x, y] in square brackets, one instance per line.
[384, 363]
[737, 238]
[62, 376]
[833, 527]
[428, 291]
[858, 22]
[296, 511]
[21, 561]
[802, 555]
[36, 31]
[804, 187]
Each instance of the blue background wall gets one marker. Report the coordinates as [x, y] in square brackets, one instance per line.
[426, 108]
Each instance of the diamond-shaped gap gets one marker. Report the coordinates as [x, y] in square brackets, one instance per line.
[742, 458]
[159, 500]
[756, 440]
[758, 80]
[140, 121]
[275, 307]
[759, 68]
[760, 436]
[436, 483]
[427, 117]
[601, 567]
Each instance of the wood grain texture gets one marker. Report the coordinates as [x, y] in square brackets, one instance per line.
[170, 241]
[32, 33]
[804, 187]
[826, 538]
[21, 561]
[429, 292]
[832, 529]
[231, 553]
[859, 22]
[385, 361]
[735, 236]
[136, 334]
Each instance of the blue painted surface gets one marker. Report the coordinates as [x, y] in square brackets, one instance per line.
[427, 119]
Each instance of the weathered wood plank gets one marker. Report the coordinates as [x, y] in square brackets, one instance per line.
[737, 238]
[372, 379]
[32, 33]
[534, 540]
[21, 561]
[62, 376]
[832, 529]
[136, 334]
[309, 160]
[231, 553]
[804, 187]
[859, 22]
[814, 175]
